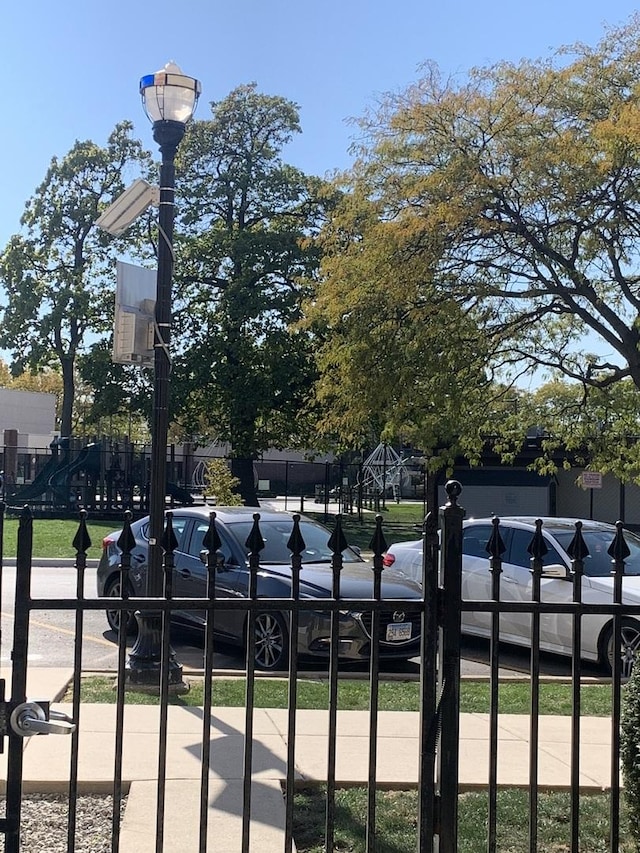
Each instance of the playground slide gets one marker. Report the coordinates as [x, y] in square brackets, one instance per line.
[182, 496]
[57, 473]
[87, 459]
[40, 485]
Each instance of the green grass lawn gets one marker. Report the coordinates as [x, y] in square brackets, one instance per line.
[54, 537]
[399, 522]
[353, 695]
[396, 822]
[393, 513]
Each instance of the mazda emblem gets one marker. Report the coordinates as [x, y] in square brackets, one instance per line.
[398, 616]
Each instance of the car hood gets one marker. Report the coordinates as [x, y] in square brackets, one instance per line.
[356, 581]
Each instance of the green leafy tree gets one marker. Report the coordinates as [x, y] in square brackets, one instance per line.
[221, 483]
[118, 394]
[58, 272]
[506, 200]
[242, 370]
[398, 357]
[598, 428]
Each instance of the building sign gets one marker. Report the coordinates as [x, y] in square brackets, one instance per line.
[591, 480]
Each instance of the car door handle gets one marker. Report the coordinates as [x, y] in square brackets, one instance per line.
[507, 579]
[185, 573]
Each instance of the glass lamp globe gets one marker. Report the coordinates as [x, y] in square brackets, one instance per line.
[169, 95]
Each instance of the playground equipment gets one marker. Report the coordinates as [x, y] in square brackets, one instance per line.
[384, 470]
[92, 475]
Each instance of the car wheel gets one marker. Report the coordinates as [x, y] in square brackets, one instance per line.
[630, 645]
[112, 590]
[272, 642]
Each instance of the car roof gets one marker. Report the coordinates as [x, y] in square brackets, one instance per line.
[229, 514]
[548, 522]
[525, 522]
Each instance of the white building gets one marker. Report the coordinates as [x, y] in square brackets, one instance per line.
[31, 413]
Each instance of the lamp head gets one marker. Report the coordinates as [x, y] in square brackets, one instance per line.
[169, 95]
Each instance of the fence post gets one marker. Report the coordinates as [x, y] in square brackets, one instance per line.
[19, 677]
[429, 719]
[495, 548]
[537, 549]
[578, 551]
[451, 516]
[618, 551]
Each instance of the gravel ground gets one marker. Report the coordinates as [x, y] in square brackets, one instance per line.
[44, 823]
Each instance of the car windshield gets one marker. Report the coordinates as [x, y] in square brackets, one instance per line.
[276, 534]
[598, 563]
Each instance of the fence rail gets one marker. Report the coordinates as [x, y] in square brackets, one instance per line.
[112, 476]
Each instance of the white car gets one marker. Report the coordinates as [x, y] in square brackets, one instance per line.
[557, 586]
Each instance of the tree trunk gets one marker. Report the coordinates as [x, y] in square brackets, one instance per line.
[242, 468]
[433, 480]
[68, 393]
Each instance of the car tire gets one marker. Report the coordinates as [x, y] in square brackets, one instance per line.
[112, 590]
[272, 642]
[630, 635]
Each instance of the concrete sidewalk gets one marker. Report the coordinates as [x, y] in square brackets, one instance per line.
[47, 761]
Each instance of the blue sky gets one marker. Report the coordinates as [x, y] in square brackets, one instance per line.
[72, 68]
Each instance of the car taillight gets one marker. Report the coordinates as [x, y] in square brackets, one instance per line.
[107, 543]
[388, 560]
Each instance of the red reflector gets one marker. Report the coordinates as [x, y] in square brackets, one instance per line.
[388, 560]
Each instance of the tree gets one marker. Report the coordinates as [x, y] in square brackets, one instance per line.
[122, 394]
[399, 358]
[241, 369]
[58, 273]
[598, 428]
[513, 194]
[221, 483]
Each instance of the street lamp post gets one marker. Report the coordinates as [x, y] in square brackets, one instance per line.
[169, 98]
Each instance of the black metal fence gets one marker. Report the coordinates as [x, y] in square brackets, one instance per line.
[440, 607]
[109, 476]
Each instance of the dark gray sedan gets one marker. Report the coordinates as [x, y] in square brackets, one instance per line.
[399, 634]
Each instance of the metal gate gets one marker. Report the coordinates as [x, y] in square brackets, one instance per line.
[438, 737]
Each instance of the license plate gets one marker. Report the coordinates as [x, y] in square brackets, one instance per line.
[398, 631]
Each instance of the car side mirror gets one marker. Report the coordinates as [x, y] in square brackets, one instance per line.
[557, 570]
[220, 563]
